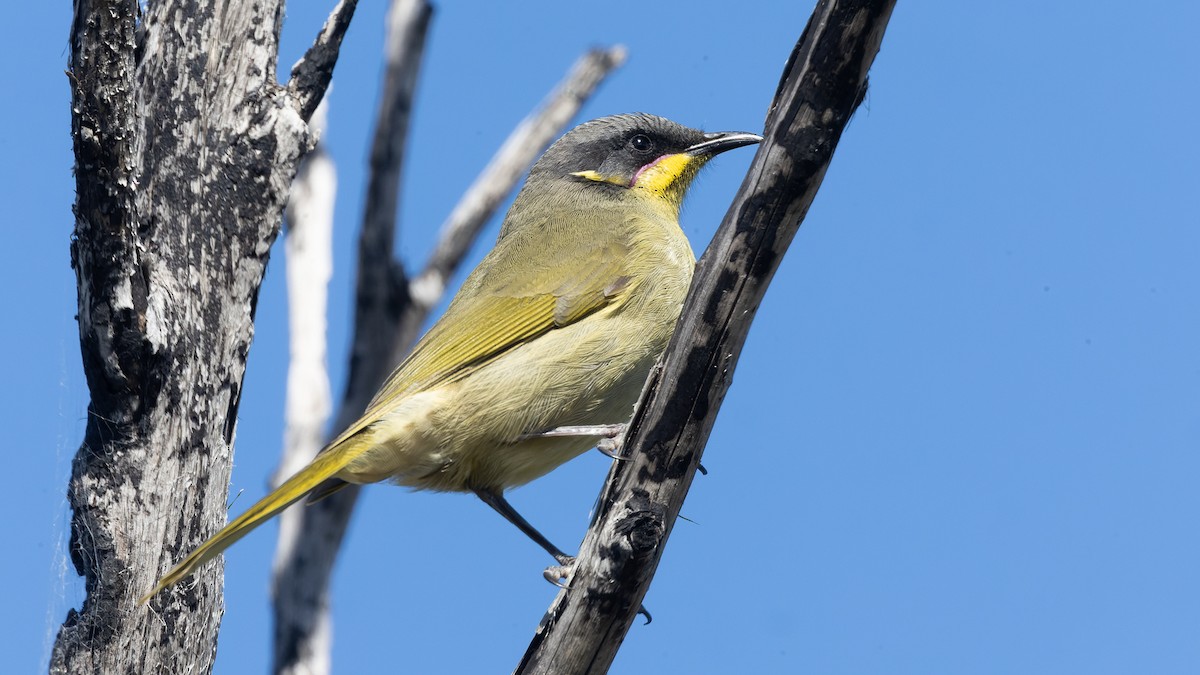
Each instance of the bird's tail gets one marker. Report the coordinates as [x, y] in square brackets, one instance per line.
[322, 468]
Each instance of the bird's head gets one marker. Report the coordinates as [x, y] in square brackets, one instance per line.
[635, 155]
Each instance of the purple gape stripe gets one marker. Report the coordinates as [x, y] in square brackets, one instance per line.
[643, 169]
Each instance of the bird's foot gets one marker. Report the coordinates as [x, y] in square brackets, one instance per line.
[560, 574]
[611, 447]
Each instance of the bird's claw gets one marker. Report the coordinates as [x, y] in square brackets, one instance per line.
[642, 610]
[611, 447]
[560, 575]
[612, 444]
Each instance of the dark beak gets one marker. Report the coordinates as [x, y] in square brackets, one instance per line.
[721, 141]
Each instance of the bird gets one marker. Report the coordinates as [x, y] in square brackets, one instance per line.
[547, 344]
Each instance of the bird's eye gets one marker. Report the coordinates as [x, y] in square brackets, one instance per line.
[641, 144]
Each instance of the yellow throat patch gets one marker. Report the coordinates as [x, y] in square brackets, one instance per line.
[665, 179]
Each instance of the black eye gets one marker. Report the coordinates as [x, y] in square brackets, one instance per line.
[641, 144]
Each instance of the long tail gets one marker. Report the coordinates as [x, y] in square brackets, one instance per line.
[322, 468]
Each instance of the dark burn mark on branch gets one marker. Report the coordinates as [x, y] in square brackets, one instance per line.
[644, 530]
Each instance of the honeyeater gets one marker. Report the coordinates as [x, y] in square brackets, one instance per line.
[557, 327]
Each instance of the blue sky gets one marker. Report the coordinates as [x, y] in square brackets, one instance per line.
[963, 435]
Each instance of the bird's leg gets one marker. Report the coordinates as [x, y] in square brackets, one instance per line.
[606, 430]
[500, 505]
[611, 436]
[566, 563]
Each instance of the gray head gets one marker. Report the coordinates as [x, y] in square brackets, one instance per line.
[616, 146]
[612, 160]
[634, 152]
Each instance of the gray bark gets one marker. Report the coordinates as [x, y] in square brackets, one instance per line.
[185, 147]
[822, 85]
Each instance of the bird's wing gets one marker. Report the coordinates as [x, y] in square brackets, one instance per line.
[505, 307]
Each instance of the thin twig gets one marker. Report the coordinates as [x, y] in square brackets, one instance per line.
[312, 73]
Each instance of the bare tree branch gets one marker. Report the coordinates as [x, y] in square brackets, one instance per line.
[312, 73]
[823, 83]
[308, 547]
[381, 290]
[390, 312]
[309, 246]
[183, 163]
